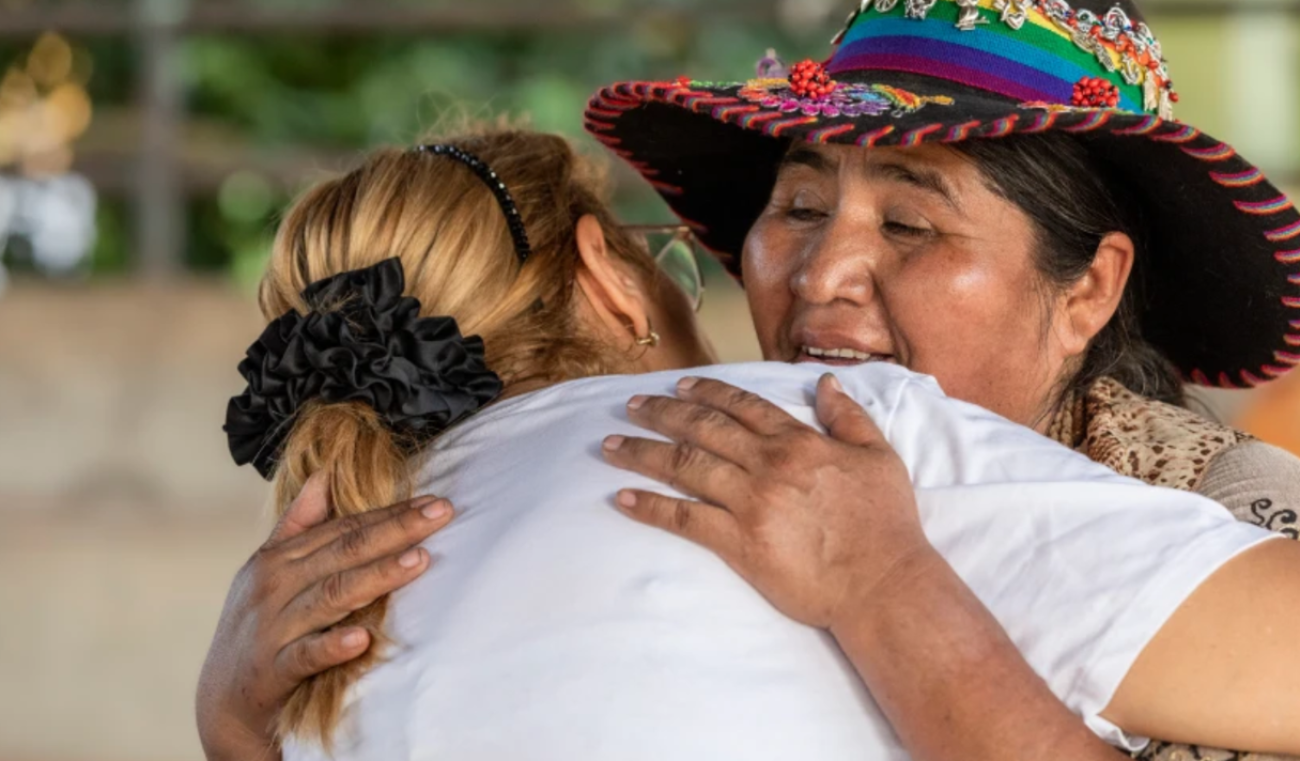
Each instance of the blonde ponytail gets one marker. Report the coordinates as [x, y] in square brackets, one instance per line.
[367, 468]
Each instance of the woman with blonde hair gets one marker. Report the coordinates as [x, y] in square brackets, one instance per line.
[529, 326]
[554, 628]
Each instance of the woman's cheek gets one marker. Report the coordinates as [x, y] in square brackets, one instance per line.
[948, 319]
[767, 287]
[952, 274]
[768, 309]
[987, 362]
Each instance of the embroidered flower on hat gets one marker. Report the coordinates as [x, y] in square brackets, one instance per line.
[845, 100]
[849, 100]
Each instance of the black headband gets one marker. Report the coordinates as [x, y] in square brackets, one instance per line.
[498, 188]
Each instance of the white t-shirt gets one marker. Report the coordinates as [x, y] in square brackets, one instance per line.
[553, 628]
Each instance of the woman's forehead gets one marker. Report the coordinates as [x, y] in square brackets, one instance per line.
[936, 169]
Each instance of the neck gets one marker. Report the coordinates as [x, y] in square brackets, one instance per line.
[1065, 424]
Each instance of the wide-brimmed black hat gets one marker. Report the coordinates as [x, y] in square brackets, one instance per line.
[1223, 301]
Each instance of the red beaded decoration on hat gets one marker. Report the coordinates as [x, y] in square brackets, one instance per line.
[808, 79]
[1095, 92]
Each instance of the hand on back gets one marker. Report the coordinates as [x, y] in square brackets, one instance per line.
[277, 627]
[814, 521]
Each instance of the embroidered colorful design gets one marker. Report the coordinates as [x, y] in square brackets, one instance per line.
[1261, 208]
[826, 133]
[1252, 176]
[870, 139]
[1220, 152]
[1095, 120]
[1283, 233]
[1148, 125]
[1181, 134]
[1002, 127]
[843, 99]
[907, 102]
[1057, 108]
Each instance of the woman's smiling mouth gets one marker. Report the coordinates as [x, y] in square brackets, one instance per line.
[838, 356]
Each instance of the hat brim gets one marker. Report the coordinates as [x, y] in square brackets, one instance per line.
[1223, 301]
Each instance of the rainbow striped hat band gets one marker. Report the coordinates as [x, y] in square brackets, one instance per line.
[1223, 297]
[1032, 51]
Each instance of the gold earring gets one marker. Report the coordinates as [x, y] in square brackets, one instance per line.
[651, 340]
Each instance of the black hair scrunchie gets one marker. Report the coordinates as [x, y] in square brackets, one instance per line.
[362, 341]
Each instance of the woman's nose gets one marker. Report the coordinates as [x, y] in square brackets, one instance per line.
[840, 265]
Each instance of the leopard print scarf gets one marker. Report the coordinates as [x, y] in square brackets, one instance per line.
[1162, 445]
[1151, 441]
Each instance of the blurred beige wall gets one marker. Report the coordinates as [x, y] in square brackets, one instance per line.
[112, 397]
[122, 516]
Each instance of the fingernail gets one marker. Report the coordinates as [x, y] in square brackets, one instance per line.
[834, 382]
[686, 384]
[410, 559]
[612, 443]
[354, 638]
[636, 402]
[626, 499]
[436, 510]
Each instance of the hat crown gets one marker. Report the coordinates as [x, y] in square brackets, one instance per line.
[1044, 52]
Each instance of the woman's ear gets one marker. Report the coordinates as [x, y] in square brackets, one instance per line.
[1092, 301]
[612, 290]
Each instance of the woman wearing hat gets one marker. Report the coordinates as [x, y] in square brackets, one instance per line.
[1052, 276]
[1026, 223]
[994, 193]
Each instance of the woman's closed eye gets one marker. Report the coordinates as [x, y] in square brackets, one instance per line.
[804, 214]
[902, 230]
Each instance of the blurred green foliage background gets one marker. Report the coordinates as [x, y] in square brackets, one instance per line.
[309, 101]
[267, 108]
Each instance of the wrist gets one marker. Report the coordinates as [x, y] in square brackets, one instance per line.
[946, 675]
[870, 597]
[919, 608]
[235, 742]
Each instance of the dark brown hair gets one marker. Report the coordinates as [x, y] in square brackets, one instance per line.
[1074, 199]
